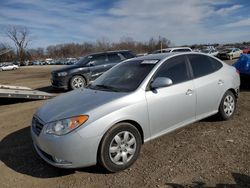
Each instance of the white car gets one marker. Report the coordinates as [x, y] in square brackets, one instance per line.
[230, 53]
[136, 101]
[212, 52]
[8, 67]
[169, 50]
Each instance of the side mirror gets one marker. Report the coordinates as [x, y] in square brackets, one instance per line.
[161, 82]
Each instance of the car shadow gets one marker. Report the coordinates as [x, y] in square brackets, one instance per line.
[241, 181]
[8, 101]
[51, 90]
[17, 152]
[213, 118]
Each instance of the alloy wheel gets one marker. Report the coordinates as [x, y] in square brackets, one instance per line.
[122, 148]
[229, 105]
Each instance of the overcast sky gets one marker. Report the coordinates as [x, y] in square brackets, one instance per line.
[181, 21]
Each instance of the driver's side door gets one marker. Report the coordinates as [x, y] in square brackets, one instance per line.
[173, 106]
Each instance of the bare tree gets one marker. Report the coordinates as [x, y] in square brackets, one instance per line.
[20, 36]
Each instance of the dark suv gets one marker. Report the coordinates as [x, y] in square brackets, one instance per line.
[87, 69]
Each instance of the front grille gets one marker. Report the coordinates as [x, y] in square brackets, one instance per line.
[37, 126]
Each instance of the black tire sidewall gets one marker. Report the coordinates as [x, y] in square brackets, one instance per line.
[222, 113]
[103, 154]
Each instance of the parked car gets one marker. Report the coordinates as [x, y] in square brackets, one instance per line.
[6, 67]
[37, 62]
[169, 50]
[212, 52]
[134, 102]
[230, 53]
[243, 65]
[87, 69]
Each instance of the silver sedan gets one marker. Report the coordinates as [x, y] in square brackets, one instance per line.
[134, 102]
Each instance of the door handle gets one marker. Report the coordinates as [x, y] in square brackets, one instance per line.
[189, 92]
[220, 82]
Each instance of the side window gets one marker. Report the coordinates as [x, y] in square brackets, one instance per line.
[114, 58]
[176, 69]
[203, 65]
[128, 54]
[99, 59]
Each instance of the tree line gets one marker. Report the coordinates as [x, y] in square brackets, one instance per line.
[20, 36]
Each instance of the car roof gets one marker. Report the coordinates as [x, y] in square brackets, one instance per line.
[108, 52]
[176, 48]
[162, 56]
[159, 56]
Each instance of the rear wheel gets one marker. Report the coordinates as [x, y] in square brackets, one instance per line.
[227, 106]
[77, 82]
[120, 147]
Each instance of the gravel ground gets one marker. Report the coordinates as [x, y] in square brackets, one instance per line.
[209, 153]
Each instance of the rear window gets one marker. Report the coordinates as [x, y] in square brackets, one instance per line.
[203, 65]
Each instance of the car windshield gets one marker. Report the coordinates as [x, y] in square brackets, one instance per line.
[84, 60]
[124, 77]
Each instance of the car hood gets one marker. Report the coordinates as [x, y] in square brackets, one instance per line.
[67, 68]
[75, 103]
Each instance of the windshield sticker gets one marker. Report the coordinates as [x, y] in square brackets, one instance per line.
[149, 61]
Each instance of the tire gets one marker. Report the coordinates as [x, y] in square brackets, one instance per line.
[14, 68]
[227, 106]
[117, 153]
[77, 82]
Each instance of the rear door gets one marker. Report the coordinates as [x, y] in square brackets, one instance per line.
[113, 59]
[173, 106]
[98, 65]
[209, 83]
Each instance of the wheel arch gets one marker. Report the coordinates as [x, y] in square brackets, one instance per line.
[234, 92]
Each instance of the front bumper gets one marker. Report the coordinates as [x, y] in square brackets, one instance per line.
[59, 82]
[74, 150]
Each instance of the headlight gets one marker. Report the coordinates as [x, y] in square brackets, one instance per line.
[62, 74]
[65, 126]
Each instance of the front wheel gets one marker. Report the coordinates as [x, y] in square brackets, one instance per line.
[227, 106]
[120, 147]
[77, 82]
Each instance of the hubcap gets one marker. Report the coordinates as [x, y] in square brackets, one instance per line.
[78, 82]
[229, 105]
[122, 148]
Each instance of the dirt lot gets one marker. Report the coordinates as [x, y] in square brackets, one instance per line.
[209, 153]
